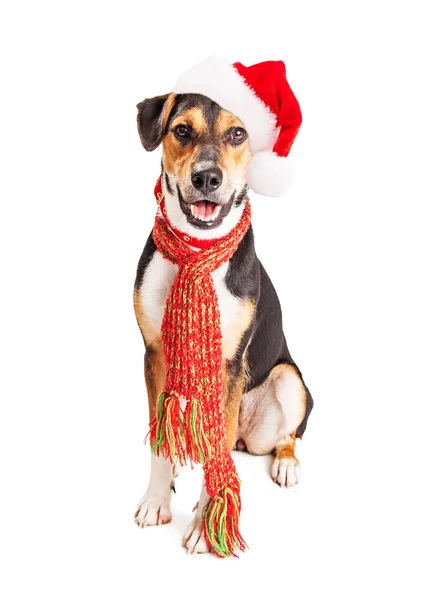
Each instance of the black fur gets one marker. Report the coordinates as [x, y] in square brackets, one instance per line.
[149, 121]
[241, 196]
[183, 102]
[145, 258]
[167, 181]
[267, 346]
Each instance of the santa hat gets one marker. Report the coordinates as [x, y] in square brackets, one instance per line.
[262, 99]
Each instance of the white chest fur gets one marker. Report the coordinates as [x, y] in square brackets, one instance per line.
[158, 279]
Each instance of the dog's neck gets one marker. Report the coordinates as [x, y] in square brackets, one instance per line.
[179, 221]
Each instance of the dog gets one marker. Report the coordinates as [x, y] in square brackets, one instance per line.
[205, 157]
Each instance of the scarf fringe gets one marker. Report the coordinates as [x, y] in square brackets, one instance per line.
[221, 523]
[166, 431]
[198, 447]
[166, 438]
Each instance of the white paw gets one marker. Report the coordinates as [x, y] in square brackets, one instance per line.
[194, 539]
[153, 510]
[286, 471]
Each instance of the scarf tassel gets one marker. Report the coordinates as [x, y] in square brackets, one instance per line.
[197, 445]
[221, 523]
[166, 438]
[166, 431]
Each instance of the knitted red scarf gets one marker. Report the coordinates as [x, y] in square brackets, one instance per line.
[192, 345]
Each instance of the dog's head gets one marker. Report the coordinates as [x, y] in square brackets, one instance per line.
[205, 158]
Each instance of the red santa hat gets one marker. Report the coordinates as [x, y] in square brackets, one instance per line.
[261, 98]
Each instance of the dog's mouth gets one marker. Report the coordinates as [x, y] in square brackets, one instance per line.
[205, 214]
[205, 211]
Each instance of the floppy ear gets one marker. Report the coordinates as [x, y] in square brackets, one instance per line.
[152, 119]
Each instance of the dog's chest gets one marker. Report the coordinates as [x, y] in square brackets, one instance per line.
[157, 281]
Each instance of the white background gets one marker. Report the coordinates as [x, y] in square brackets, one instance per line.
[346, 250]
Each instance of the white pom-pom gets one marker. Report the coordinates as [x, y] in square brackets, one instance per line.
[269, 174]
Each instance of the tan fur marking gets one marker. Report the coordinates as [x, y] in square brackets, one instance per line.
[285, 447]
[278, 371]
[232, 391]
[154, 359]
[194, 117]
[178, 159]
[233, 159]
[226, 120]
[233, 336]
[154, 374]
[167, 109]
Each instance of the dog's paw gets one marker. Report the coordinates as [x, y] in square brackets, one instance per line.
[153, 510]
[194, 539]
[286, 471]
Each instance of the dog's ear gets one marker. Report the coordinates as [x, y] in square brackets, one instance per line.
[152, 118]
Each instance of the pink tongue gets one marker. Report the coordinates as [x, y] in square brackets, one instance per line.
[203, 209]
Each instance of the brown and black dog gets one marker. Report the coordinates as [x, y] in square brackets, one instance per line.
[267, 404]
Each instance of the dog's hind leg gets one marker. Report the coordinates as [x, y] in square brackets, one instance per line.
[285, 467]
[296, 404]
[273, 415]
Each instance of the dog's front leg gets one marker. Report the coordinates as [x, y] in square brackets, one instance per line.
[154, 507]
[194, 539]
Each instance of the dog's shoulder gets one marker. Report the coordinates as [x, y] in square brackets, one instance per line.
[155, 276]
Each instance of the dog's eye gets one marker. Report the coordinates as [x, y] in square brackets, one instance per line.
[237, 135]
[182, 131]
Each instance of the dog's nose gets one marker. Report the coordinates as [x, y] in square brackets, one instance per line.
[208, 180]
